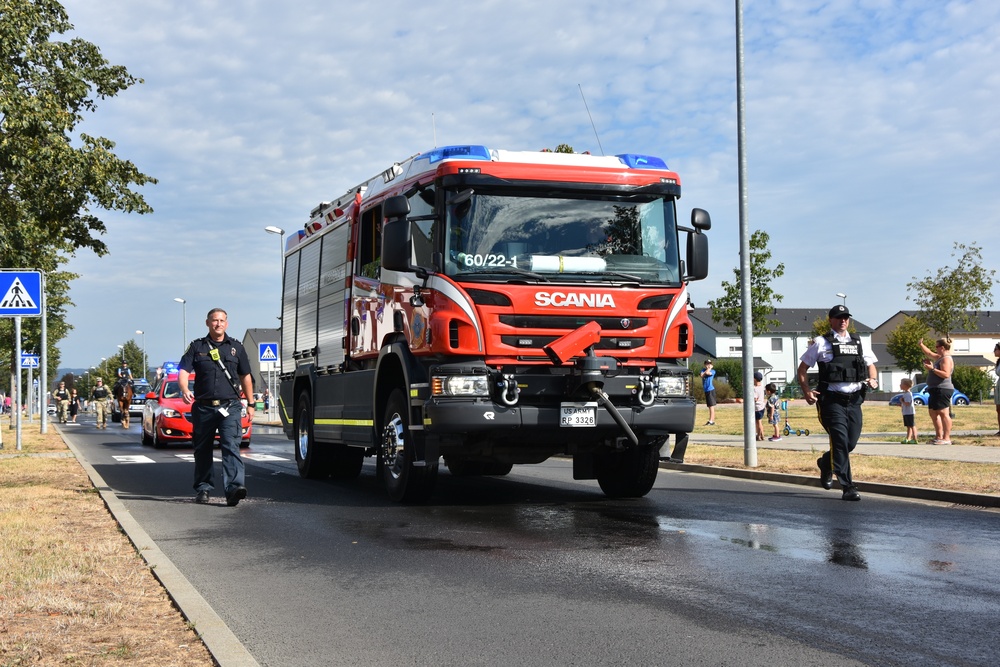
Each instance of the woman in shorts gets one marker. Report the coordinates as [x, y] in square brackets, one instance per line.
[939, 366]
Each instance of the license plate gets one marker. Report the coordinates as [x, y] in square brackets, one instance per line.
[576, 415]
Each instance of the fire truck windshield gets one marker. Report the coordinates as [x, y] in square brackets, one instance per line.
[563, 238]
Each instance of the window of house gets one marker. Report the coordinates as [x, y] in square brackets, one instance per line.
[777, 344]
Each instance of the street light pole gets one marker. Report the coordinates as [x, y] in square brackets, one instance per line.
[185, 313]
[271, 229]
[145, 364]
[842, 296]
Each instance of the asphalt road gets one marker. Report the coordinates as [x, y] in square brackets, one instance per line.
[538, 569]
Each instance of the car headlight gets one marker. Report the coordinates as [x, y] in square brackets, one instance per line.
[671, 385]
[170, 412]
[460, 385]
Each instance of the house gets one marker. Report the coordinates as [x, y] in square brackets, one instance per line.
[777, 352]
[968, 348]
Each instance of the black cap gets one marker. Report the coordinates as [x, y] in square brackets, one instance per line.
[839, 311]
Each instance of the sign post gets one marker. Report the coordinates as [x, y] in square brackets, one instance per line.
[268, 357]
[21, 295]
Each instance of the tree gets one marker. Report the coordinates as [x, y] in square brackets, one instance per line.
[52, 177]
[903, 343]
[728, 308]
[972, 381]
[946, 299]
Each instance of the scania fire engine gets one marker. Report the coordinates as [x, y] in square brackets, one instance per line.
[489, 308]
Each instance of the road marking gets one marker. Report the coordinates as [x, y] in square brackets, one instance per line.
[264, 457]
[133, 459]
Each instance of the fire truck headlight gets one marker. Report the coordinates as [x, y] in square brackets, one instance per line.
[671, 386]
[460, 385]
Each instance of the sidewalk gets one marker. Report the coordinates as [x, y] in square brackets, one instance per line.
[873, 444]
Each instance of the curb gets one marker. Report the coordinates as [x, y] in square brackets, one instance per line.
[222, 644]
[911, 492]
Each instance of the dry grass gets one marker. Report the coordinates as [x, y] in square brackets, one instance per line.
[880, 418]
[74, 591]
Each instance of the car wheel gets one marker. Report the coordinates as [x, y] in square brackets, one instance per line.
[146, 439]
[918, 401]
[157, 441]
[961, 400]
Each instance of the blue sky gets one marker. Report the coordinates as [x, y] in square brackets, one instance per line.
[873, 133]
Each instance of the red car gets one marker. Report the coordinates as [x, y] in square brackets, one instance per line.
[166, 418]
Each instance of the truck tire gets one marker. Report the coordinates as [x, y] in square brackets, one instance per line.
[346, 462]
[630, 473]
[404, 482]
[312, 460]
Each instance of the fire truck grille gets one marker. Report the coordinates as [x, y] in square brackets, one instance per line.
[569, 323]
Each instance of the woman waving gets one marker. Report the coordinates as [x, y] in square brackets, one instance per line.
[939, 366]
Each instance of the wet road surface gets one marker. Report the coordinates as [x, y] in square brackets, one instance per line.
[538, 569]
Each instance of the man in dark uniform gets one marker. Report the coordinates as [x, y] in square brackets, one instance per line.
[844, 371]
[221, 369]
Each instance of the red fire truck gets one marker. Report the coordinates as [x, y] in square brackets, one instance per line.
[490, 308]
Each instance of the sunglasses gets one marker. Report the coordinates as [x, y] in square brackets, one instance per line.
[841, 317]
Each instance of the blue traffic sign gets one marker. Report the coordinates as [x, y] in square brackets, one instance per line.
[268, 351]
[20, 293]
[29, 361]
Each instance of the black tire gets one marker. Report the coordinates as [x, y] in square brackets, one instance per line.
[157, 443]
[404, 482]
[312, 461]
[630, 473]
[496, 469]
[346, 462]
[961, 401]
[461, 468]
[146, 439]
[918, 401]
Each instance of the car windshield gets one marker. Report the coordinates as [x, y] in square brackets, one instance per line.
[172, 390]
[577, 238]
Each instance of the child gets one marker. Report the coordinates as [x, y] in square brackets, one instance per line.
[906, 403]
[773, 409]
[759, 401]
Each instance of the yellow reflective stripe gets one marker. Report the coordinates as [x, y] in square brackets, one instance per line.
[345, 422]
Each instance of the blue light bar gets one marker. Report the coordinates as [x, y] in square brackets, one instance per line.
[633, 161]
[462, 152]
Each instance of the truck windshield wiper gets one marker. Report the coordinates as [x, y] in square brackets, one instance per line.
[507, 270]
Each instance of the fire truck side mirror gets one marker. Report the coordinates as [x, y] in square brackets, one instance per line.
[396, 240]
[396, 207]
[697, 256]
[700, 219]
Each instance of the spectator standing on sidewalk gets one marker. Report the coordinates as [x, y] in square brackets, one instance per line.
[939, 366]
[846, 372]
[906, 405]
[773, 409]
[707, 383]
[759, 402]
[996, 389]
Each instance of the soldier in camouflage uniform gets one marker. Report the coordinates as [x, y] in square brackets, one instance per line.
[102, 404]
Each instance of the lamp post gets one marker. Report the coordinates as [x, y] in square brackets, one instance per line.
[271, 229]
[184, 311]
[842, 296]
[122, 348]
[145, 365]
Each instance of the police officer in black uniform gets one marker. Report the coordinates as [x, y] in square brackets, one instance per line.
[221, 370]
[846, 372]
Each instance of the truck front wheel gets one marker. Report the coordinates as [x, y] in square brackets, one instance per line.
[629, 473]
[404, 481]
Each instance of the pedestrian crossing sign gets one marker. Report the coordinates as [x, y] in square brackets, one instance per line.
[268, 352]
[20, 293]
